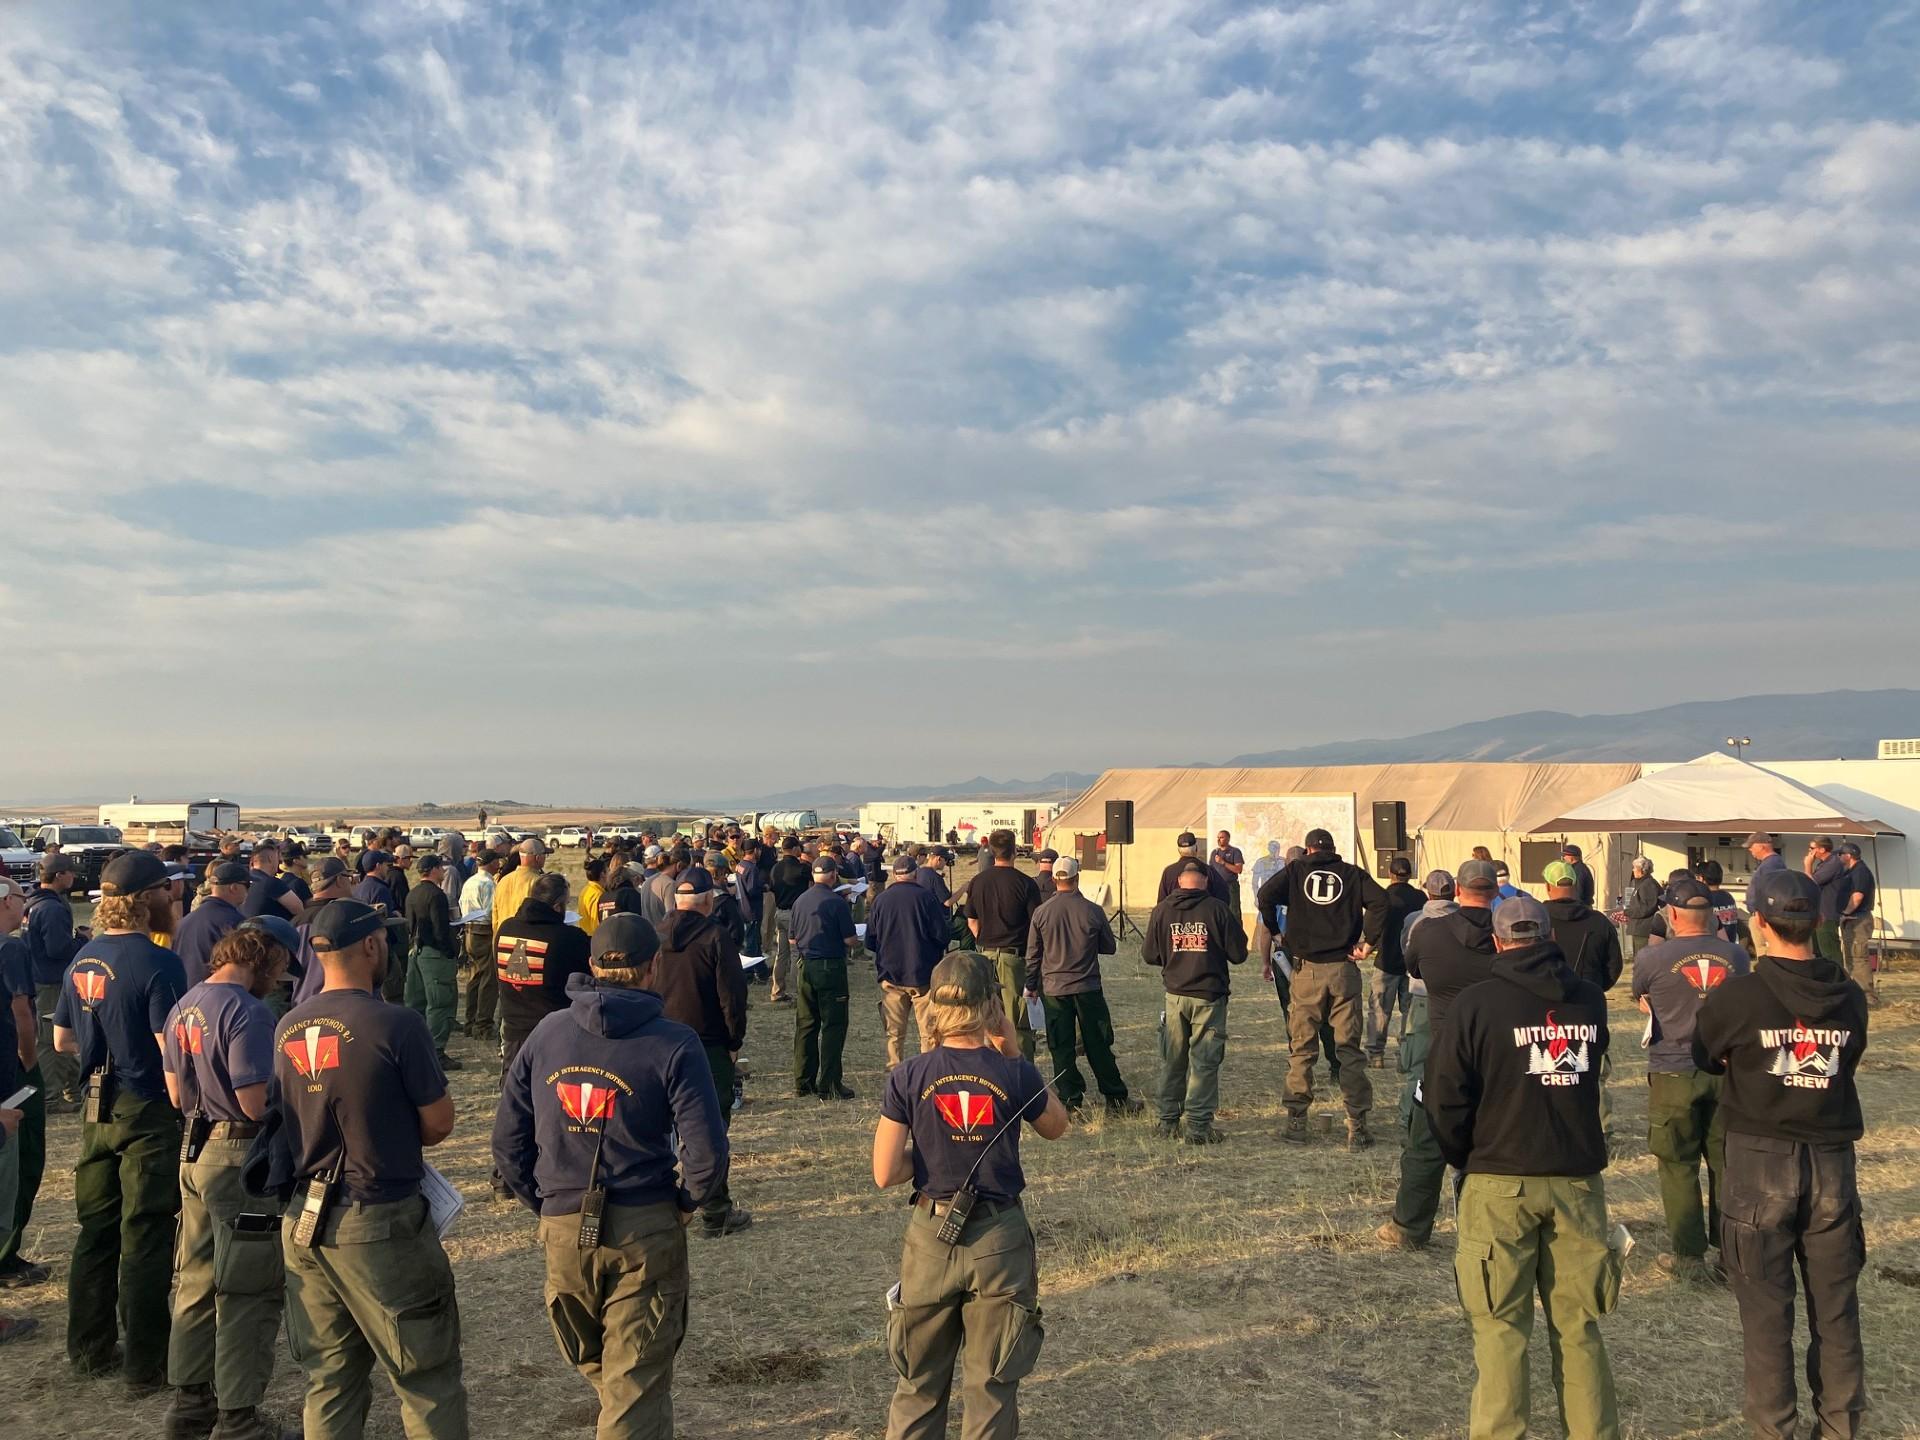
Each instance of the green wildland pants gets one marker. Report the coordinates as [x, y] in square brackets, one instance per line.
[126, 1194]
[1423, 1170]
[1012, 968]
[1826, 939]
[819, 1024]
[974, 1304]
[720, 1062]
[619, 1312]
[1074, 1021]
[1329, 992]
[1193, 1043]
[62, 1071]
[228, 1282]
[433, 989]
[483, 978]
[32, 1140]
[1684, 1127]
[1548, 1233]
[376, 1287]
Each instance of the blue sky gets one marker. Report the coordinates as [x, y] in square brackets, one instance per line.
[429, 399]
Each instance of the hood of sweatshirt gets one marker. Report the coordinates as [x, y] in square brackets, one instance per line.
[610, 1010]
[1569, 909]
[1433, 909]
[535, 913]
[1188, 899]
[683, 929]
[1540, 969]
[1812, 989]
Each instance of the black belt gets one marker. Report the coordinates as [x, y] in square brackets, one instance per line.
[235, 1130]
[937, 1208]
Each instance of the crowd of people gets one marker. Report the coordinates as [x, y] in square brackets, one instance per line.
[259, 1052]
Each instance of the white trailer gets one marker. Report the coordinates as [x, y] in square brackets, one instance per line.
[969, 821]
[182, 817]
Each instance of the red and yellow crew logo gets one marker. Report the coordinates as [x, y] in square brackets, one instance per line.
[585, 1101]
[312, 1049]
[964, 1110]
[1704, 972]
[190, 1035]
[90, 985]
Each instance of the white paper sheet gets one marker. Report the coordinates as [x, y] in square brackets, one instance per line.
[1036, 1016]
[444, 1203]
[748, 962]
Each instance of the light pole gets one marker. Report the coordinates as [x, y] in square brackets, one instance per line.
[1739, 743]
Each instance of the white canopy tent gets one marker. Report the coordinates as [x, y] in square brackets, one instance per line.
[1718, 793]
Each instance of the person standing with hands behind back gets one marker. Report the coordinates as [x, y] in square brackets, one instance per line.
[950, 1122]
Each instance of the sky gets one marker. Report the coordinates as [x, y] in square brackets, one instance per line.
[415, 399]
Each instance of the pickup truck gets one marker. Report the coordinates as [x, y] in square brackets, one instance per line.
[572, 836]
[90, 847]
[425, 837]
[19, 862]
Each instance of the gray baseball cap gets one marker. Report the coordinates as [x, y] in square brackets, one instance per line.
[1439, 885]
[1477, 875]
[1521, 918]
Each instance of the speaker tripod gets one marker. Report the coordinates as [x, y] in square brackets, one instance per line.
[1120, 920]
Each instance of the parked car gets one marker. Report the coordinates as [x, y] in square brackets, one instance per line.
[570, 835]
[425, 837]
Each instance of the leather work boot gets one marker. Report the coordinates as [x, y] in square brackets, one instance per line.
[1296, 1131]
[1358, 1136]
[251, 1424]
[193, 1413]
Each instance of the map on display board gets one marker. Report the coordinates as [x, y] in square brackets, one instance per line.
[1265, 827]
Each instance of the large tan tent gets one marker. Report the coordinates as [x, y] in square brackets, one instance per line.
[1451, 808]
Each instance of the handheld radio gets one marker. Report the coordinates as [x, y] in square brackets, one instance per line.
[960, 1207]
[593, 1204]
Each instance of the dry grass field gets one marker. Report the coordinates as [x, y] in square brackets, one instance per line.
[1232, 1292]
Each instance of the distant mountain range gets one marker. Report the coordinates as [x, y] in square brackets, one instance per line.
[1833, 725]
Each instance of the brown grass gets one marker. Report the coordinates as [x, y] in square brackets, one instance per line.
[1231, 1292]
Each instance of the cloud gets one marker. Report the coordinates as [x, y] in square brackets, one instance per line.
[738, 361]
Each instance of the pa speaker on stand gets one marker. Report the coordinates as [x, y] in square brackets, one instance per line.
[1119, 836]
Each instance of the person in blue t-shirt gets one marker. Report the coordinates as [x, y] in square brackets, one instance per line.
[950, 1122]
[229, 1276]
[211, 919]
[112, 1011]
[822, 932]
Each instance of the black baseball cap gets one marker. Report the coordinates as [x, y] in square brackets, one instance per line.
[52, 866]
[903, 864]
[1573, 850]
[1048, 856]
[428, 863]
[1689, 895]
[1319, 840]
[133, 871]
[1784, 895]
[825, 866]
[229, 872]
[344, 923]
[1400, 866]
[1186, 838]
[693, 882]
[629, 935]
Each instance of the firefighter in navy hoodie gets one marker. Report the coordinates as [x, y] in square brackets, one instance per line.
[588, 1116]
[1512, 1092]
[1789, 1036]
[1336, 914]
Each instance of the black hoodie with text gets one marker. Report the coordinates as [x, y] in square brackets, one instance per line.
[698, 977]
[1192, 938]
[1788, 1036]
[1513, 1080]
